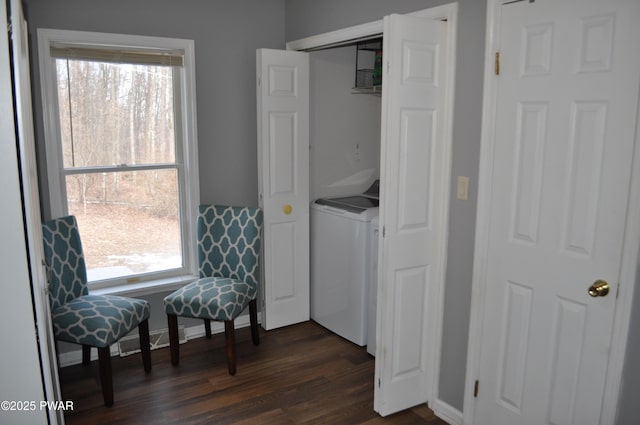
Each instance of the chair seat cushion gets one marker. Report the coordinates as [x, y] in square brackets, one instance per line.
[98, 320]
[214, 298]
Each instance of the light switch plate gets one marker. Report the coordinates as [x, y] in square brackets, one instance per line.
[462, 191]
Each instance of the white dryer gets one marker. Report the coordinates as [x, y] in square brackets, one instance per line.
[341, 263]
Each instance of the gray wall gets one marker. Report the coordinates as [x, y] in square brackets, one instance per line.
[309, 17]
[226, 35]
[628, 412]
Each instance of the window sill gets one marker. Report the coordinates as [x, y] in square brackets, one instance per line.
[145, 288]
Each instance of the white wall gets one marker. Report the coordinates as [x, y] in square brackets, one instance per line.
[20, 377]
[344, 127]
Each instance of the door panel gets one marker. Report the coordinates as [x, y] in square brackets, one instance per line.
[283, 174]
[567, 98]
[29, 174]
[412, 189]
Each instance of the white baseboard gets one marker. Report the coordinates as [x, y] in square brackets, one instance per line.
[446, 412]
[197, 331]
[75, 357]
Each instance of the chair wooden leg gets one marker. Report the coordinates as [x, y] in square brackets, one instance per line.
[253, 316]
[86, 355]
[106, 378]
[207, 328]
[230, 341]
[145, 345]
[174, 342]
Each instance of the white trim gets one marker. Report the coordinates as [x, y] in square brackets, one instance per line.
[186, 158]
[628, 277]
[74, 357]
[629, 263]
[31, 205]
[23, 372]
[368, 30]
[149, 287]
[446, 412]
[449, 13]
[482, 216]
[338, 37]
[190, 159]
[51, 122]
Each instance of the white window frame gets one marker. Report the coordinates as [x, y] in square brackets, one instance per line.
[184, 93]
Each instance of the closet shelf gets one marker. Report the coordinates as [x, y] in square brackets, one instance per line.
[368, 69]
[377, 90]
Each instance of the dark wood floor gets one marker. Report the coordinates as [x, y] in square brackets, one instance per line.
[301, 374]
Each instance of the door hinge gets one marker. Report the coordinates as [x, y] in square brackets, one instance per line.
[476, 387]
[384, 231]
[379, 383]
[259, 82]
[497, 63]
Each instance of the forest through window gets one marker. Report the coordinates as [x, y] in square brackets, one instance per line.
[121, 171]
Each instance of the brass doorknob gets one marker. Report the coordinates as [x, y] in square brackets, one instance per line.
[600, 288]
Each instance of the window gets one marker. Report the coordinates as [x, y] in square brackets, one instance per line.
[121, 150]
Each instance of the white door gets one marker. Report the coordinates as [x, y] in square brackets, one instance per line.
[27, 152]
[566, 105]
[283, 174]
[20, 367]
[412, 220]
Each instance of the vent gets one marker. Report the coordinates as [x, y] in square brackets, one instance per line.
[130, 344]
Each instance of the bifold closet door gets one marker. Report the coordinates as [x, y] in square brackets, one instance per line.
[412, 220]
[283, 184]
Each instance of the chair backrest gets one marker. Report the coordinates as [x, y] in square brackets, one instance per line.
[64, 259]
[229, 242]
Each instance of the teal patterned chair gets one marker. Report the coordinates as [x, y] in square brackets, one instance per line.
[80, 318]
[228, 253]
